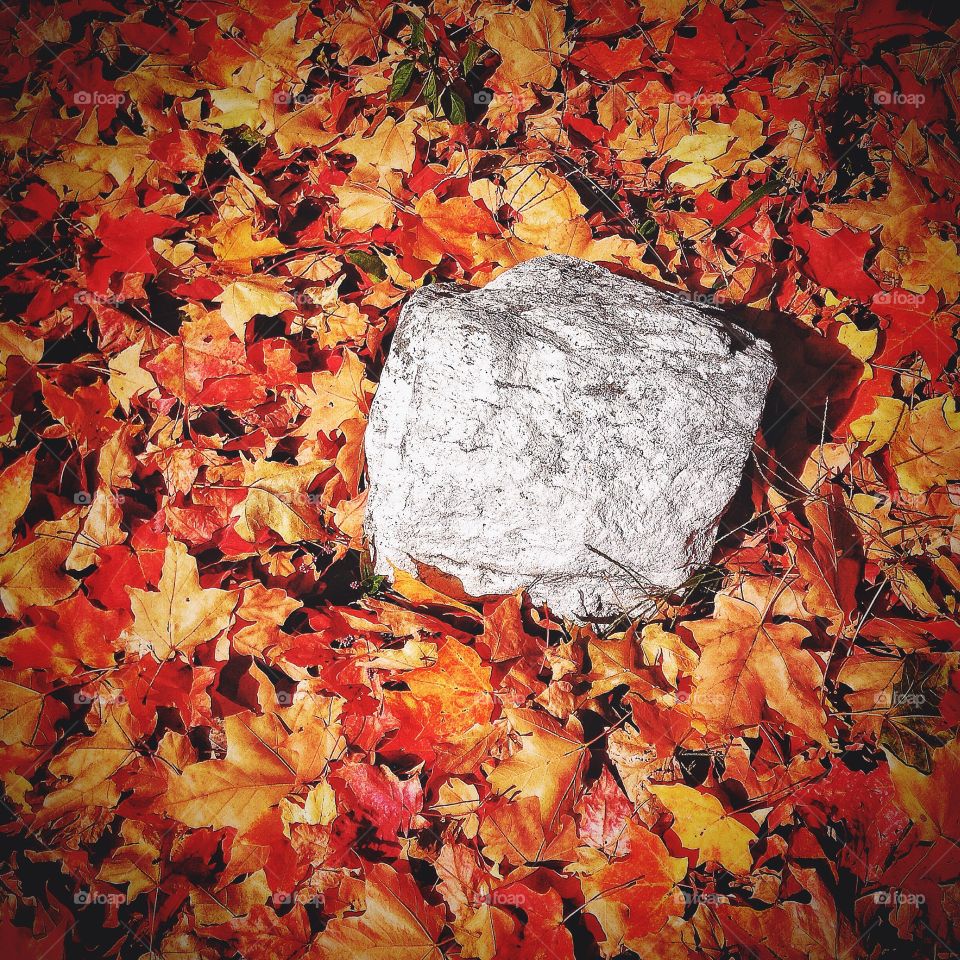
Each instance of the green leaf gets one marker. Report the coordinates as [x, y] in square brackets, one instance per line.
[403, 76]
[430, 93]
[457, 111]
[416, 30]
[373, 584]
[471, 57]
[368, 262]
[647, 229]
[755, 195]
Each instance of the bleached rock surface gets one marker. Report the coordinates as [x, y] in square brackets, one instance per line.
[560, 408]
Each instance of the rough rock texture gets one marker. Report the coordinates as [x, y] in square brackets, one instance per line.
[560, 408]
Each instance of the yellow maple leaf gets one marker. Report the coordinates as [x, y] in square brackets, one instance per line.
[925, 449]
[127, 160]
[233, 792]
[457, 798]
[416, 591]
[135, 862]
[235, 107]
[696, 150]
[702, 824]
[34, 574]
[277, 500]
[390, 147]
[334, 398]
[310, 126]
[396, 923]
[549, 213]
[870, 681]
[86, 766]
[263, 610]
[939, 267]
[243, 299]
[20, 708]
[127, 377]
[364, 205]
[315, 738]
[877, 428]
[928, 798]
[15, 343]
[358, 32]
[547, 765]
[531, 44]
[319, 806]
[348, 517]
[668, 651]
[339, 320]
[234, 244]
[715, 149]
[228, 902]
[14, 496]
[180, 615]
[924, 441]
[749, 663]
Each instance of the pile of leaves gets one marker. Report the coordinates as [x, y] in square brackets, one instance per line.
[222, 736]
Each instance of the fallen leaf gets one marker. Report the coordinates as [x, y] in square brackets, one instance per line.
[748, 663]
[703, 825]
[180, 615]
[395, 920]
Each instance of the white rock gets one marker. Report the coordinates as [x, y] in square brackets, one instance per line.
[558, 409]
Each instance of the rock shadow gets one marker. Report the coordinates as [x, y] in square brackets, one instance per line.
[809, 397]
